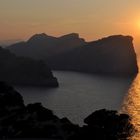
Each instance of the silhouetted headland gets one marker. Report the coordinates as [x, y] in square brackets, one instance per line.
[42, 46]
[113, 55]
[24, 71]
[35, 121]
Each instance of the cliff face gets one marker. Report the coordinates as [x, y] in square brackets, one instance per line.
[24, 71]
[111, 55]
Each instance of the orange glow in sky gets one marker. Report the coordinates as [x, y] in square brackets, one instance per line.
[92, 19]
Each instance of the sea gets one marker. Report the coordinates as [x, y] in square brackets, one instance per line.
[80, 94]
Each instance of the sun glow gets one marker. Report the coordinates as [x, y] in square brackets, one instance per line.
[138, 24]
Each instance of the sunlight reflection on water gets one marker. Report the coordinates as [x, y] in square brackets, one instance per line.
[131, 106]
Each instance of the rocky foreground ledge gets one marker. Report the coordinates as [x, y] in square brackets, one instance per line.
[35, 121]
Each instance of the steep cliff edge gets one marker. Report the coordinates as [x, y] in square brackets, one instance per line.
[114, 55]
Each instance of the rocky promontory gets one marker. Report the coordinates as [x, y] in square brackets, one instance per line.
[24, 71]
[113, 55]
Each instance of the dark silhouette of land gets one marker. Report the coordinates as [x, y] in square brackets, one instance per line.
[42, 46]
[24, 71]
[113, 55]
[35, 121]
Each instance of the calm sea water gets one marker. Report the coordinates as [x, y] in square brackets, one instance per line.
[79, 94]
[131, 106]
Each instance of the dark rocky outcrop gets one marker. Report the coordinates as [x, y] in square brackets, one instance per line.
[31, 121]
[35, 121]
[24, 71]
[105, 125]
[9, 100]
[111, 55]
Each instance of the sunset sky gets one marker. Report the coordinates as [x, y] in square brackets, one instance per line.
[92, 19]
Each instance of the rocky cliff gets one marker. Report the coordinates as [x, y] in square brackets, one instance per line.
[114, 55]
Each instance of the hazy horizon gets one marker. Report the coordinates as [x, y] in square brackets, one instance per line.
[92, 19]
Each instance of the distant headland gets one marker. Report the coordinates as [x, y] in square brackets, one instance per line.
[113, 55]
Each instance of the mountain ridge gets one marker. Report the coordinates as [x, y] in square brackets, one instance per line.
[40, 45]
[113, 54]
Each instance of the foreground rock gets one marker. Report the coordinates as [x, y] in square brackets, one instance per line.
[35, 121]
[105, 125]
[113, 55]
[31, 121]
[24, 71]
